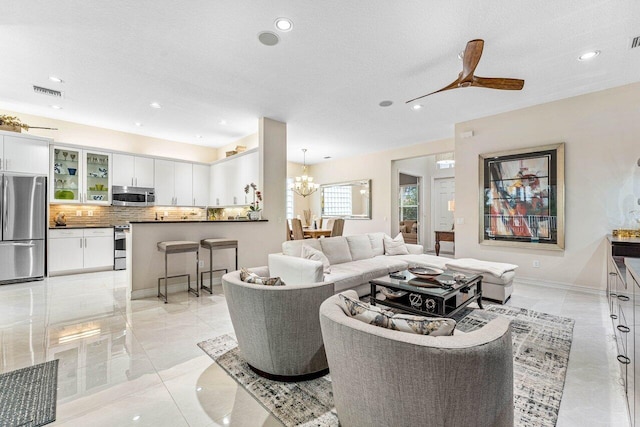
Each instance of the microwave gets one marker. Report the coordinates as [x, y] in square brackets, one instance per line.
[133, 196]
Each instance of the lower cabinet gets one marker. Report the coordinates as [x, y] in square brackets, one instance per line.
[79, 249]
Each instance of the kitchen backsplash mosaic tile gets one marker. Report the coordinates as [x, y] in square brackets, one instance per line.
[112, 215]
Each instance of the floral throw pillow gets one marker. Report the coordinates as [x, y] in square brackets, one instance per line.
[395, 246]
[249, 277]
[376, 316]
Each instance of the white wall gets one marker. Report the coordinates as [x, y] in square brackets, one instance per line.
[377, 167]
[601, 131]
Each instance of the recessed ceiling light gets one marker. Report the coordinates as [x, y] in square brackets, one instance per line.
[139, 124]
[268, 38]
[327, 157]
[56, 107]
[588, 55]
[417, 106]
[136, 418]
[284, 24]
[55, 79]
[386, 103]
[155, 105]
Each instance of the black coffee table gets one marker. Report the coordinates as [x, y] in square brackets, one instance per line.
[446, 299]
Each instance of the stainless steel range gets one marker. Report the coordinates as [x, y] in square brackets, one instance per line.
[120, 247]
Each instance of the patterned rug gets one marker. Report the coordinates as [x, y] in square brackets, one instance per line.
[28, 395]
[541, 345]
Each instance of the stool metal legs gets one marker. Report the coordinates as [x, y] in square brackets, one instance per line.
[211, 271]
[194, 291]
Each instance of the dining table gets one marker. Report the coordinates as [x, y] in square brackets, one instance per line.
[316, 233]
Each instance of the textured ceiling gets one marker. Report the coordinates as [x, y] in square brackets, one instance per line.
[202, 62]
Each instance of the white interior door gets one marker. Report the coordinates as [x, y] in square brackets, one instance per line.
[443, 192]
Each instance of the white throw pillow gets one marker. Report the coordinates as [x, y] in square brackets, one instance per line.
[395, 246]
[310, 253]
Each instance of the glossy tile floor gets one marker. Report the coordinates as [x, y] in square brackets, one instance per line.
[128, 362]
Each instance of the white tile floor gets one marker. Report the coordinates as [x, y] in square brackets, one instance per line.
[136, 362]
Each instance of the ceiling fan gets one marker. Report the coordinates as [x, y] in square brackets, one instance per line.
[466, 78]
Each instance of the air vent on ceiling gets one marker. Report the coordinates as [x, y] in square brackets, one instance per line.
[44, 91]
[635, 42]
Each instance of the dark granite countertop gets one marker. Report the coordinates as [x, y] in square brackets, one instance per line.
[188, 221]
[72, 226]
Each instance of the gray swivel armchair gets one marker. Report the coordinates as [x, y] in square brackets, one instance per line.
[382, 377]
[278, 327]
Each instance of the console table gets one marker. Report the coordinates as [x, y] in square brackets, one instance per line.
[444, 236]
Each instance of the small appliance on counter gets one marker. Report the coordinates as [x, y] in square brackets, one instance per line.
[120, 247]
[23, 219]
[133, 196]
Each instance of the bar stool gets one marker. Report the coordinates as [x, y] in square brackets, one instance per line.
[215, 244]
[178, 247]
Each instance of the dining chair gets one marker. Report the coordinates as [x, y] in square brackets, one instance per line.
[329, 225]
[319, 222]
[289, 235]
[296, 226]
[338, 227]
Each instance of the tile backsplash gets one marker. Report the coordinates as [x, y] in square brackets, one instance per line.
[111, 215]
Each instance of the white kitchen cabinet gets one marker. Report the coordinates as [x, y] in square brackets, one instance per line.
[133, 170]
[183, 184]
[80, 249]
[200, 185]
[80, 176]
[230, 176]
[24, 154]
[173, 183]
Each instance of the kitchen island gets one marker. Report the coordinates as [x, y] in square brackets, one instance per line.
[145, 263]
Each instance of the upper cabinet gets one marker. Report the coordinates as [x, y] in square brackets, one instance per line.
[23, 154]
[80, 176]
[229, 177]
[173, 183]
[133, 171]
[201, 184]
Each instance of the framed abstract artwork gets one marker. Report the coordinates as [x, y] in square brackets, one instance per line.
[522, 198]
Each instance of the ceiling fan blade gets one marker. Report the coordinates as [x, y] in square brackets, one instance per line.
[472, 54]
[497, 83]
[453, 85]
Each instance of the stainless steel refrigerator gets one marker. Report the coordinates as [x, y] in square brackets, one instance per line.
[23, 210]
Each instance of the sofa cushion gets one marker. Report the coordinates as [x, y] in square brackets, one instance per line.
[377, 243]
[344, 277]
[294, 247]
[374, 315]
[360, 247]
[424, 260]
[392, 263]
[506, 279]
[336, 249]
[395, 246]
[250, 277]
[310, 253]
[369, 268]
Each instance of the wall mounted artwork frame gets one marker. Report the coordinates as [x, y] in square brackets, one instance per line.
[522, 198]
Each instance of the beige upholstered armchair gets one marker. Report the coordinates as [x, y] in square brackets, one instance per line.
[277, 327]
[383, 377]
[409, 230]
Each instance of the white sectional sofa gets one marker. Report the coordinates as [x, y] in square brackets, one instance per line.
[359, 258]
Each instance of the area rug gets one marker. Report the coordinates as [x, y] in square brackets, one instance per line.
[28, 395]
[541, 346]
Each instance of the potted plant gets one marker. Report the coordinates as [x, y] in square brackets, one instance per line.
[254, 207]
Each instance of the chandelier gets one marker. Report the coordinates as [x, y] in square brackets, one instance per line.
[304, 184]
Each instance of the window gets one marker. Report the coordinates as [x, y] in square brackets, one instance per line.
[289, 198]
[409, 202]
[337, 200]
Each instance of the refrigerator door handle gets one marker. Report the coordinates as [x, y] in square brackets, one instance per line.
[5, 214]
[20, 244]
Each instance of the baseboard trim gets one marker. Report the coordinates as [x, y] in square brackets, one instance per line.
[558, 285]
[172, 288]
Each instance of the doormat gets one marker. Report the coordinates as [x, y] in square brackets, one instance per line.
[541, 346]
[28, 395]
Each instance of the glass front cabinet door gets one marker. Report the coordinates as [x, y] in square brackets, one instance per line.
[80, 176]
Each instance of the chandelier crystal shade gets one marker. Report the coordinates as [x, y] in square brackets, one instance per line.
[304, 185]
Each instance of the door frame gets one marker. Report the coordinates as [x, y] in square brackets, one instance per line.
[432, 237]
